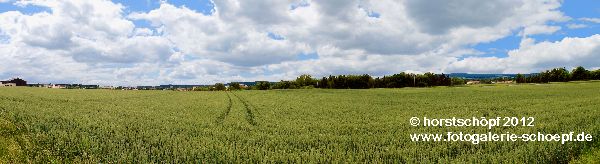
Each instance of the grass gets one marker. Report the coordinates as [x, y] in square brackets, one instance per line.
[591, 156]
[313, 125]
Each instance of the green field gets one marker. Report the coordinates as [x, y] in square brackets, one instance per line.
[311, 125]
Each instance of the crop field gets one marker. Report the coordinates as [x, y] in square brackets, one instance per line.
[309, 125]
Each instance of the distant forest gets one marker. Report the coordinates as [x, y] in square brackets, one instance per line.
[403, 79]
[559, 75]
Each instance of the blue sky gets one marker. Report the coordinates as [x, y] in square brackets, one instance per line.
[274, 40]
[203, 6]
[572, 8]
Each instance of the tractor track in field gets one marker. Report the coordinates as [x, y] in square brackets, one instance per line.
[225, 113]
[249, 114]
[248, 105]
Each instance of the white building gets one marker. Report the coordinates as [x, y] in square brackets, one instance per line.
[8, 85]
[58, 86]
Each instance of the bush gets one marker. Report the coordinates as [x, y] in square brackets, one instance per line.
[520, 78]
[595, 75]
[235, 86]
[263, 85]
[458, 81]
[580, 73]
[219, 87]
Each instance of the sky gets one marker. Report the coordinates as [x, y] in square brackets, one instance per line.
[153, 42]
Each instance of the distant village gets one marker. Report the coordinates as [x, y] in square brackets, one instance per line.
[18, 82]
[470, 79]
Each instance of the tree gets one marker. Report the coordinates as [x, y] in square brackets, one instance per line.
[559, 75]
[458, 81]
[18, 82]
[285, 85]
[323, 83]
[520, 78]
[305, 80]
[263, 85]
[580, 73]
[595, 75]
[235, 86]
[219, 87]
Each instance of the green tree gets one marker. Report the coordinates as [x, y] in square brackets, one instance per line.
[323, 83]
[219, 87]
[284, 85]
[305, 80]
[580, 73]
[520, 78]
[458, 81]
[595, 75]
[559, 75]
[263, 85]
[235, 86]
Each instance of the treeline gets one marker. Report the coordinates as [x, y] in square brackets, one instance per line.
[364, 81]
[559, 75]
[261, 85]
[403, 79]
[394, 81]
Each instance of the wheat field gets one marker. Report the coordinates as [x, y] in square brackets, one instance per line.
[305, 125]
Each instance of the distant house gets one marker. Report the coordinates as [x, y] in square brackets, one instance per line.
[88, 86]
[74, 86]
[505, 82]
[15, 81]
[146, 87]
[242, 85]
[178, 87]
[39, 85]
[59, 86]
[473, 82]
[107, 87]
[8, 85]
[247, 84]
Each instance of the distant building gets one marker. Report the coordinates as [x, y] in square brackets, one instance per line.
[481, 76]
[473, 82]
[74, 86]
[59, 86]
[88, 86]
[503, 82]
[16, 82]
[178, 87]
[146, 88]
[245, 83]
[8, 85]
[39, 85]
[107, 87]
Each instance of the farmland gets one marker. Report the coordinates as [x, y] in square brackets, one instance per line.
[309, 125]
